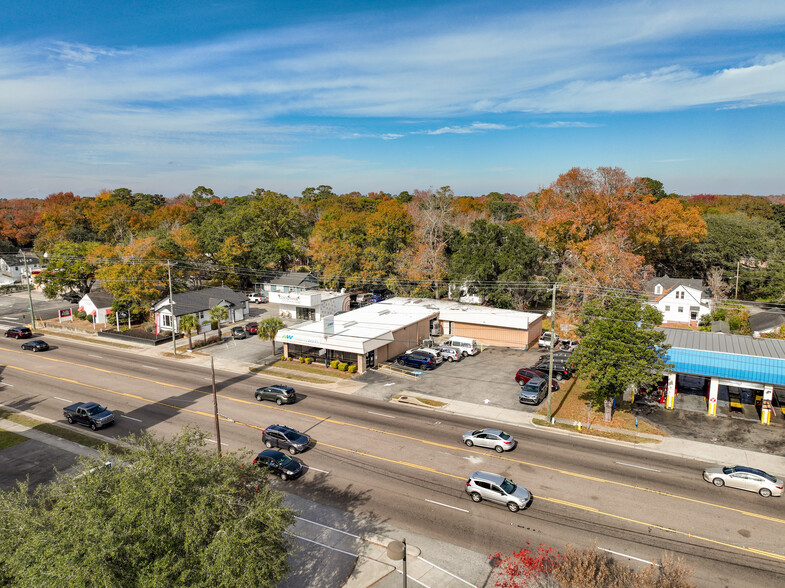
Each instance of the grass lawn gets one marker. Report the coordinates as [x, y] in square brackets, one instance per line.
[58, 431]
[7, 439]
[595, 432]
[572, 402]
[312, 368]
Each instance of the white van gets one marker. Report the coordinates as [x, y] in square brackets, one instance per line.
[465, 344]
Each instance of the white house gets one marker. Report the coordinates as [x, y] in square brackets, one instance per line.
[199, 303]
[312, 305]
[98, 304]
[287, 282]
[680, 300]
[12, 265]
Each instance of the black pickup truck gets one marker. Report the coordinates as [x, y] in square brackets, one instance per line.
[89, 414]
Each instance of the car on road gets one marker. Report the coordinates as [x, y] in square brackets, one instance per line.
[280, 394]
[495, 488]
[417, 360]
[252, 328]
[285, 438]
[450, 353]
[19, 332]
[279, 463]
[744, 478]
[36, 345]
[258, 297]
[89, 414]
[523, 375]
[493, 438]
[534, 391]
[239, 333]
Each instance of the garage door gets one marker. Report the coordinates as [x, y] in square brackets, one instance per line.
[488, 335]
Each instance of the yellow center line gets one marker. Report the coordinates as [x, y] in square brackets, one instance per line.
[429, 469]
[451, 447]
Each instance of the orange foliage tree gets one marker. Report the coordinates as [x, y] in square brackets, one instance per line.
[20, 220]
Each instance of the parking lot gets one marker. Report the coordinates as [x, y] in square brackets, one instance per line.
[488, 376]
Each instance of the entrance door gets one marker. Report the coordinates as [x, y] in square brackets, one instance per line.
[370, 359]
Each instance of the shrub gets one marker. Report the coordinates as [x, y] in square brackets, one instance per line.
[302, 360]
[342, 366]
[308, 360]
[352, 369]
[90, 318]
[81, 315]
[334, 364]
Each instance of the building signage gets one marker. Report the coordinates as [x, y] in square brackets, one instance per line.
[65, 314]
[295, 298]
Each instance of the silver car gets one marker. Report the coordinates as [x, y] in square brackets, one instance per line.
[495, 488]
[493, 438]
[744, 478]
[450, 353]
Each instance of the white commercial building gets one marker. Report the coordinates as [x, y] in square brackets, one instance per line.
[311, 305]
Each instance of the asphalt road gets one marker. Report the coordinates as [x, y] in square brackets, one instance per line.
[397, 465]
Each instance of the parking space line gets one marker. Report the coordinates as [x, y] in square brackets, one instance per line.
[326, 526]
[317, 470]
[446, 505]
[646, 561]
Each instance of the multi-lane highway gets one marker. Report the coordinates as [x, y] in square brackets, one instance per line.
[407, 467]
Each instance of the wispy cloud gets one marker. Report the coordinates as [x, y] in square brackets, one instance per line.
[476, 127]
[565, 124]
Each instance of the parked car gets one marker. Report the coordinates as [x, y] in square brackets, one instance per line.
[432, 351]
[238, 333]
[548, 339]
[568, 344]
[279, 463]
[523, 375]
[252, 328]
[493, 438]
[36, 345]
[258, 297]
[495, 488]
[561, 371]
[19, 332]
[72, 297]
[534, 391]
[466, 345]
[558, 356]
[744, 478]
[417, 360]
[450, 353]
[285, 438]
[280, 394]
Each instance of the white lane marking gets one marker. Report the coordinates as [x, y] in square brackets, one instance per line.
[8, 326]
[323, 545]
[63, 399]
[8, 385]
[208, 379]
[130, 418]
[651, 563]
[149, 367]
[380, 414]
[446, 505]
[446, 572]
[413, 579]
[327, 527]
[632, 465]
[317, 470]
[94, 355]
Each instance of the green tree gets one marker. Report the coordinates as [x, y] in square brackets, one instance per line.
[189, 323]
[173, 514]
[217, 314]
[268, 328]
[619, 347]
[68, 266]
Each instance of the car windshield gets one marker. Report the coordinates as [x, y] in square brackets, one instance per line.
[95, 409]
[292, 436]
[505, 436]
[532, 387]
[477, 432]
[284, 461]
[508, 486]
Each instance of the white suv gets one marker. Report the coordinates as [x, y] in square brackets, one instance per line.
[258, 297]
[495, 488]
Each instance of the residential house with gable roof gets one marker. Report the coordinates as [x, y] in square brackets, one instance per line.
[287, 282]
[680, 300]
[12, 265]
[199, 303]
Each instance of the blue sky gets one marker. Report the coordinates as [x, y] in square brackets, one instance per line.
[488, 96]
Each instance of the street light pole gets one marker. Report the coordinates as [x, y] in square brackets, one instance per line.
[397, 550]
[29, 293]
[552, 343]
[215, 409]
[171, 306]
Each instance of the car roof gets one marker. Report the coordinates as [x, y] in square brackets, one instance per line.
[271, 453]
[280, 387]
[488, 477]
[536, 381]
[492, 431]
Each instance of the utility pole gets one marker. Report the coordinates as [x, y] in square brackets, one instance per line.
[215, 409]
[738, 266]
[29, 293]
[171, 307]
[553, 341]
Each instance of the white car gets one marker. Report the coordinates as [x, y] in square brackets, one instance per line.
[744, 478]
[258, 297]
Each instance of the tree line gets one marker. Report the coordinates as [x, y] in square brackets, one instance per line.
[590, 228]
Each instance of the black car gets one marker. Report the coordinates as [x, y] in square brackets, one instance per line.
[418, 360]
[19, 332]
[561, 371]
[279, 394]
[285, 438]
[279, 463]
[36, 345]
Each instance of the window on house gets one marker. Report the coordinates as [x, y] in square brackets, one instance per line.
[273, 287]
[166, 320]
[658, 289]
[667, 309]
[681, 309]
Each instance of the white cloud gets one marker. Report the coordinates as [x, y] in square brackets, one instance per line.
[475, 127]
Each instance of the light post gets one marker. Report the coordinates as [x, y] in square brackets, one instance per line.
[397, 550]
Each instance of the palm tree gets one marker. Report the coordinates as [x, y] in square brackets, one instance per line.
[217, 314]
[268, 329]
[189, 323]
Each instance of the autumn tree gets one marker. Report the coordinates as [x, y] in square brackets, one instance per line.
[20, 220]
[63, 218]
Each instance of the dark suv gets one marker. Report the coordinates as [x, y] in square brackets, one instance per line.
[285, 438]
[418, 360]
[279, 394]
[561, 371]
[19, 333]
